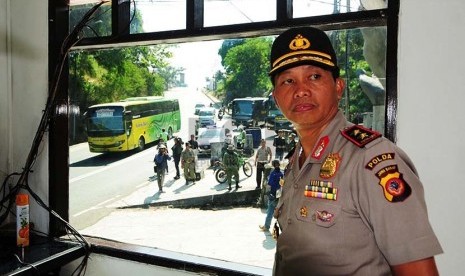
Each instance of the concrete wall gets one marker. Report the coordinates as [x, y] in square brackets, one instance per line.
[431, 96]
[23, 92]
[430, 118]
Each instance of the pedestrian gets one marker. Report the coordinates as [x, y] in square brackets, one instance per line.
[240, 138]
[188, 163]
[177, 151]
[291, 142]
[352, 202]
[262, 157]
[161, 162]
[274, 180]
[193, 143]
[164, 135]
[280, 145]
[231, 166]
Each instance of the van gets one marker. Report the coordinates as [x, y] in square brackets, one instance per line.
[207, 117]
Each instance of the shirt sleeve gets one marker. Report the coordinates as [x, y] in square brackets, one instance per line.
[390, 199]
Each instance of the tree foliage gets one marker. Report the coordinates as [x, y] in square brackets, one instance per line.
[246, 64]
[349, 50]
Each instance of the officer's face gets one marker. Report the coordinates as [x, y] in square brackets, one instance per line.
[308, 95]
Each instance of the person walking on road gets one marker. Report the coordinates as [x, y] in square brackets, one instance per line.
[274, 181]
[231, 166]
[262, 157]
[188, 163]
[161, 162]
[177, 151]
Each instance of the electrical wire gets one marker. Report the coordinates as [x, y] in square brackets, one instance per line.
[22, 183]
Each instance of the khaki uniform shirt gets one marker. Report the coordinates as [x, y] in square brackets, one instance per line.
[263, 154]
[188, 156]
[363, 212]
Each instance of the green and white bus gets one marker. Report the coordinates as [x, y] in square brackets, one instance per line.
[131, 123]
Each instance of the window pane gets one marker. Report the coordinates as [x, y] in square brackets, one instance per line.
[99, 24]
[220, 12]
[305, 8]
[100, 183]
[161, 15]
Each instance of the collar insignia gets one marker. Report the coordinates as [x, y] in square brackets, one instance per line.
[320, 148]
[299, 43]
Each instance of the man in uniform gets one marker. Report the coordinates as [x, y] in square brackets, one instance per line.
[231, 166]
[262, 157]
[280, 145]
[351, 203]
[188, 163]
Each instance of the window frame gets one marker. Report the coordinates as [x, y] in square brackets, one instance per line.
[194, 31]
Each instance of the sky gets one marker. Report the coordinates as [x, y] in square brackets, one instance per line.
[201, 59]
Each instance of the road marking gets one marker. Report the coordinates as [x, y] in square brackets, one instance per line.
[117, 163]
[98, 206]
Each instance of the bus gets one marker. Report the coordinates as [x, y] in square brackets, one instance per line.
[275, 119]
[248, 112]
[131, 123]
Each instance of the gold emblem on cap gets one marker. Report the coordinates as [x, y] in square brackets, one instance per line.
[299, 43]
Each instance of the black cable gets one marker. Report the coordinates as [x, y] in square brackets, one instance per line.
[71, 40]
[34, 269]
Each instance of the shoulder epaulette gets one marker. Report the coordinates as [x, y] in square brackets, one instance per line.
[360, 135]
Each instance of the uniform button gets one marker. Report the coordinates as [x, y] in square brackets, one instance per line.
[296, 186]
[289, 221]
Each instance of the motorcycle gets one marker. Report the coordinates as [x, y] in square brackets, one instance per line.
[220, 173]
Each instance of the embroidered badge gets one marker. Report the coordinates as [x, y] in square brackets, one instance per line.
[320, 148]
[324, 216]
[359, 135]
[394, 186]
[303, 211]
[321, 189]
[378, 159]
[330, 166]
[299, 43]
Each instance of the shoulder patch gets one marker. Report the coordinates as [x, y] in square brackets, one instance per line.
[360, 135]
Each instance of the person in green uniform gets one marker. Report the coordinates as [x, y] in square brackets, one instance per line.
[188, 163]
[231, 166]
[352, 202]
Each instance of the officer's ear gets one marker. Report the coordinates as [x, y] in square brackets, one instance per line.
[275, 102]
[340, 84]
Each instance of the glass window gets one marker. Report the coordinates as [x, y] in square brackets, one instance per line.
[305, 8]
[157, 16]
[220, 12]
[99, 24]
[100, 182]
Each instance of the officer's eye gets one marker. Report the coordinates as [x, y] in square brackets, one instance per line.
[315, 76]
[288, 81]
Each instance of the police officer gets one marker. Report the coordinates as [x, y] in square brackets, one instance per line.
[231, 166]
[188, 163]
[351, 203]
[280, 145]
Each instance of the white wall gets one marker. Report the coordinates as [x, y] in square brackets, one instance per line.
[23, 86]
[431, 95]
[4, 89]
[430, 127]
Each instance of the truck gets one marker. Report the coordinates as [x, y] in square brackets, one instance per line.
[248, 112]
[275, 119]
